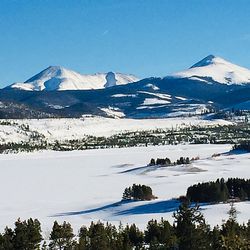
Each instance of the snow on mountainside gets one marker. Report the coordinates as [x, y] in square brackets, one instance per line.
[218, 69]
[59, 78]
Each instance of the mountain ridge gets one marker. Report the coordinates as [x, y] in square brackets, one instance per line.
[60, 78]
[154, 97]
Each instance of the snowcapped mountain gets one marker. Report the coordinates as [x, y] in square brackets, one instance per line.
[217, 69]
[59, 78]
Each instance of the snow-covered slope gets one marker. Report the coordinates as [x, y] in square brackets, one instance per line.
[59, 78]
[218, 69]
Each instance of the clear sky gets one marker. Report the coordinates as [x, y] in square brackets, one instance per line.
[143, 37]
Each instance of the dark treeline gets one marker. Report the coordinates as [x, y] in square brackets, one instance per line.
[138, 192]
[220, 190]
[189, 231]
[245, 145]
[167, 161]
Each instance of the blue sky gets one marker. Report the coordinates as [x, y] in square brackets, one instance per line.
[143, 37]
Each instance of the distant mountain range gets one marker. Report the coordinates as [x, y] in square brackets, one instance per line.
[212, 83]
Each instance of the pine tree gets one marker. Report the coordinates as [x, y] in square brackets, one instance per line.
[34, 233]
[98, 237]
[217, 239]
[127, 194]
[191, 228]
[20, 239]
[7, 239]
[134, 235]
[231, 231]
[83, 238]
[61, 236]
[160, 234]
[152, 162]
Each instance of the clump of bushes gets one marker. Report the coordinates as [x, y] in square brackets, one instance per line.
[138, 192]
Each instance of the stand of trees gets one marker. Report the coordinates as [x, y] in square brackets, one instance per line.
[189, 231]
[220, 190]
[138, 192]
[167, 161]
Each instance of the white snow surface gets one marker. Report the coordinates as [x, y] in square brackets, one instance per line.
[152, 86]
[152, 101]
[82, 186]
[218, 69]
[123, 95]
[113, 112]
[59, 78]
[160, 95]
[181, 98]
[73, 128]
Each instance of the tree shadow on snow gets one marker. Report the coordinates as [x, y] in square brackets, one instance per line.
[146, 208]
[235, 152]
[150, 208]
[109, 206]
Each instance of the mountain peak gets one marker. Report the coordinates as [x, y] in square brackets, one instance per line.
[54, 67]
[216, 69]
[205, 61]
[59, 78]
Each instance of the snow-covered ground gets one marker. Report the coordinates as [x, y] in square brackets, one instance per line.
[67, 128]
[82, 186]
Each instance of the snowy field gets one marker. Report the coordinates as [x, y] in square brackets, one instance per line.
[67, 128]
[82, 186]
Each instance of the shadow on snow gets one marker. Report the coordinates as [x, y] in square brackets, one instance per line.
[146, 208]
[151, 208]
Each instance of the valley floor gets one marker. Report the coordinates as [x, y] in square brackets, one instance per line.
[81, 186]
[70, 128]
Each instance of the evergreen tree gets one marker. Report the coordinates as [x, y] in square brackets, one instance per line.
[191, 229]
[127, 194]
[27, 234]
[134, 235]
[34, 233]
[160, 235]
[84, 239]
[7, 239]
[232, 232]
[98, 237]
[217, 239]
[152, 162]
[61, 236]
